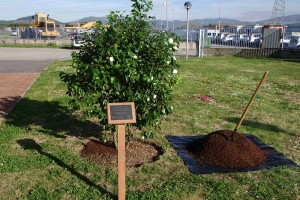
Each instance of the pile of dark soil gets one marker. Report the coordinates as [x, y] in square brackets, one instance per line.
[217, 149]
[137, 152]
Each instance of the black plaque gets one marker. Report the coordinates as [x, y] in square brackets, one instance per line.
[121, 112]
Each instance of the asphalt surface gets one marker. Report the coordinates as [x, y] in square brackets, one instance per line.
[30, 60]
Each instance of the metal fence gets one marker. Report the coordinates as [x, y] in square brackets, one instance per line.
[250, 36]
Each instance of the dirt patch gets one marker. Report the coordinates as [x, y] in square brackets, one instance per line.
[207, 99]
[137, 152]
[216, 149]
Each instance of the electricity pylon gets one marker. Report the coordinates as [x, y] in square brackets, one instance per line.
[278, 13]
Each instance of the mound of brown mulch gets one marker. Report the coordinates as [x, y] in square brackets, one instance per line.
[217, 149]
[137, 152]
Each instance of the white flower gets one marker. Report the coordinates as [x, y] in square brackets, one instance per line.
[148, 99]
[174, 58]
[154, 96]
[151, 78]
[171, 40]
[111, 59]
[135, 57]
[168, 62]
[175, 47]
[143, 137]
[175, 71]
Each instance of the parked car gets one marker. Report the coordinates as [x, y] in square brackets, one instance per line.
[241, 39]
[14, 33]
[294, 43]
[229, 39]
[223, 36]
[256, 37]
[286, 41]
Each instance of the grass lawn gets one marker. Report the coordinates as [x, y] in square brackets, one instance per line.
[41, 140]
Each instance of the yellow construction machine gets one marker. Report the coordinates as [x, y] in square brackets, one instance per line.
[41, 27]
[80, 27]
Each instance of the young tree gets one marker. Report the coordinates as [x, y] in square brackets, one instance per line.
[123, 62]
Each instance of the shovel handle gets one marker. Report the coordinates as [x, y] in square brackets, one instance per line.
[250, 103]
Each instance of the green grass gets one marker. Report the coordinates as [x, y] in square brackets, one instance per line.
[41, 140]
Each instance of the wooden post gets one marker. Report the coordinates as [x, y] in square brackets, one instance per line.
[121, 162]
[120, 114]
[249, 104]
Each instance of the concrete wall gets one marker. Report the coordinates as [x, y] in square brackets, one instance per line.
[247, 52]
[268, 53]
[191, 45]
[289, 54]
[221, 51]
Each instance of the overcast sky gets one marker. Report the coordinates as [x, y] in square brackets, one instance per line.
[70, 10]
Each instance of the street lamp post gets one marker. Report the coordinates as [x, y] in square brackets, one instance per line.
[283, 35]
[187, 6]
[167, 23]
[161, 17]
[173, 22]
[167, 27]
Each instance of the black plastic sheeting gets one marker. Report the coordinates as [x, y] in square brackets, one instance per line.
[274, 158]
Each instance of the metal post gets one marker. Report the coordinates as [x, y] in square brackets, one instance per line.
[187, 35]
[173, 22]
[219, 20]
[161, 17]
[167, 28]
[283, 35]
[202, 50]
[199, 42]
[187, 5]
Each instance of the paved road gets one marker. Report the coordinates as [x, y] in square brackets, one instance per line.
[19, 68]
[34, 54]
[29, 60]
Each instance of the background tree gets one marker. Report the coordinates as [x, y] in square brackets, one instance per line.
[125, 62]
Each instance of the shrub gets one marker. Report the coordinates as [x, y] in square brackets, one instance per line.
[124, 62]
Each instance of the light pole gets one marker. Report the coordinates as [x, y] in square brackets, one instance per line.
[187, 6]
[161, 17]
[167, 5]
[173, 22]
[283, 35]
[167, 23]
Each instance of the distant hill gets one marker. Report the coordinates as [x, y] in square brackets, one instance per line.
[199, 22]
[92, 18]
[177, 23]
[292, 19]
[24, 20]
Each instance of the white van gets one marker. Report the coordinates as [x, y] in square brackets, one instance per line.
[77, 41]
